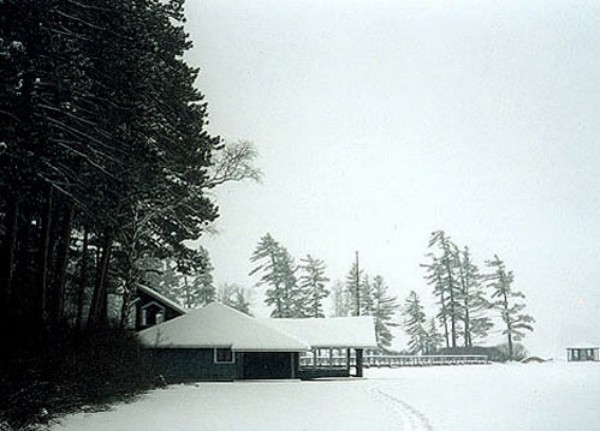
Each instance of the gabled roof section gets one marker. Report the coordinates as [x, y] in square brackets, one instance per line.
[161, 298]
[335, 332]
[217, 325]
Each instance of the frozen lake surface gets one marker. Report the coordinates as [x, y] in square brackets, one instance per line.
[549, 396]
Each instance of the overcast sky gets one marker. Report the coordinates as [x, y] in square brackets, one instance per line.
[380, 122]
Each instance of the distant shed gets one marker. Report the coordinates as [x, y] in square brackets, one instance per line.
[583, 352]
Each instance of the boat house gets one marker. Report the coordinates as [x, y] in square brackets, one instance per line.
[217, 342]
[583, 352]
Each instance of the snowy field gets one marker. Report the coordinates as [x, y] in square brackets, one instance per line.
[550, 396]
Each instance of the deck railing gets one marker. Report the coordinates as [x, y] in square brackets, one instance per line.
[422, 360]
[391, 361]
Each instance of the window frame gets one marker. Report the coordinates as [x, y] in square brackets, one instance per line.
[216, 355]
[144, 311]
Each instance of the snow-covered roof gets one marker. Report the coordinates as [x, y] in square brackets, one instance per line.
[584, 345]
[161, 298]
[217, 325]
[336, 332]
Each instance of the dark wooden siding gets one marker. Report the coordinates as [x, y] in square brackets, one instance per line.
[180, 365]
[184, 365]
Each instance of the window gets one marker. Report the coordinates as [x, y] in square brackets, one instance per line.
[224, 356]
[152, 314]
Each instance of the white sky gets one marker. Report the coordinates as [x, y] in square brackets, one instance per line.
[379, 122]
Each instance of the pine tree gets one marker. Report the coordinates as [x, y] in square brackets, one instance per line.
[383, 309]
[196, 289]
[476, 324]
[511, 312]
[448, 281]
[169, 281]
[312, 283]
[414, 321]
[434, 278]
[203, 281]
[353, 291]
[279, 274]
[366, 296]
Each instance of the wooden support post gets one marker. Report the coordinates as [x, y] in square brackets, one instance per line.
[359, 362]
[348, 360]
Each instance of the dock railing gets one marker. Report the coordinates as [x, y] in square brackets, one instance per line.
[422, 360]
[390, 361]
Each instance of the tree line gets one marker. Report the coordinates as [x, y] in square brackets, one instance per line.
[105, 169]
[104, 156]
[467, 301]
[299, 290]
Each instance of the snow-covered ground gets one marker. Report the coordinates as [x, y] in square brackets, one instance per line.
[549, 396]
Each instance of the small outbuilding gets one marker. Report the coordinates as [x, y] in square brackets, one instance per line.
[583, 352]
[217, 342]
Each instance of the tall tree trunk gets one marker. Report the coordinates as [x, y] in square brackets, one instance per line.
[129, 291]
[468, 342]
[445, 323]
[58, 299]
[464, 283]
[452, 308]
[8, 256]
[24, 277]
[82, 282]
[508, 326]
[444, 314]
[99, 297]
[41, 297]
